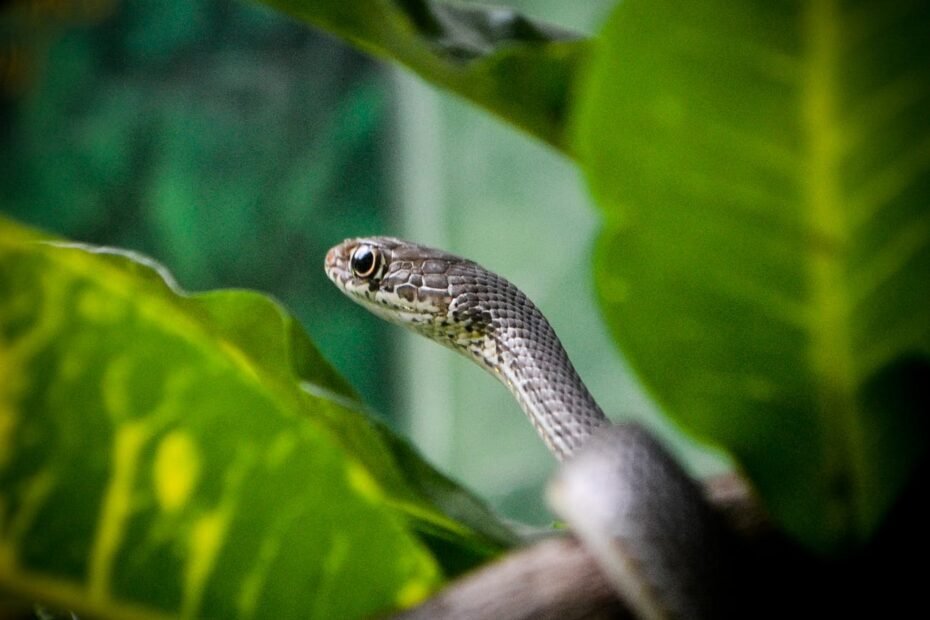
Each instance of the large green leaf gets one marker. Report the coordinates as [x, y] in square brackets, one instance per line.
[518, 68]
[164, 455]
[764, 173]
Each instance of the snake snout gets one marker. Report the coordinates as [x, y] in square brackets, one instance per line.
[336, 263]
[330, 261]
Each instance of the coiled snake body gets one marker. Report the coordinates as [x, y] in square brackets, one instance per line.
[645, 520]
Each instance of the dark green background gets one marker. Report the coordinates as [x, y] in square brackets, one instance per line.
[227, 141]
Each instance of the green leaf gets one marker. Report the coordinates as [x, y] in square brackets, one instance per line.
[515, 67]
[165, 455]
[763, 172]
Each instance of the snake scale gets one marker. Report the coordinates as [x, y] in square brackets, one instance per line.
[643, 518]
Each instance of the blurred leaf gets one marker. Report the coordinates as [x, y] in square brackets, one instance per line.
[519, 69]
[150, 137]
[165, 454]
[763, 171]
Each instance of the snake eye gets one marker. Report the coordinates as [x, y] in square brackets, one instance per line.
[365, 261]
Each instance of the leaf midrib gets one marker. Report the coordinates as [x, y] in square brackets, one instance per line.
[828, 248]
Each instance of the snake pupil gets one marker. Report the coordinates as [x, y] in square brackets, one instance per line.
[364, 261]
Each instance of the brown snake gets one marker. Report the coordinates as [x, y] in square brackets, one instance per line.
[640, 514]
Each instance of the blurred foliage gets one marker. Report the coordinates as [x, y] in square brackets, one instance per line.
[224, 139]
[513, 66]
[766, 251]
[168, 454]
[762, 173]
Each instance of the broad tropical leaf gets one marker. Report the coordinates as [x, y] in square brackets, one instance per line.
[166, 455]
[764, 174]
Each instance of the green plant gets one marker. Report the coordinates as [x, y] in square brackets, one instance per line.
[761, 173]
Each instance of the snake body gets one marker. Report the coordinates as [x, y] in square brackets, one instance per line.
[461, 305]
[643, 517]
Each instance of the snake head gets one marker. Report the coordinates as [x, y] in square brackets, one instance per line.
[402, 282]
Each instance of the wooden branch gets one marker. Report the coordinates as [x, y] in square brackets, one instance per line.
[558, 579]
[555, 579]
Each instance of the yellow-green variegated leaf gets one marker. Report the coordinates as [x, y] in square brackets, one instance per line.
[166, 455]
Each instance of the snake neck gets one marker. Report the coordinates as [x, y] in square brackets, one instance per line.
[511, 339]
[549, 390]
[459, 304]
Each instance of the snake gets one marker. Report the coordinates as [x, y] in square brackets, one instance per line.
[643, 517]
